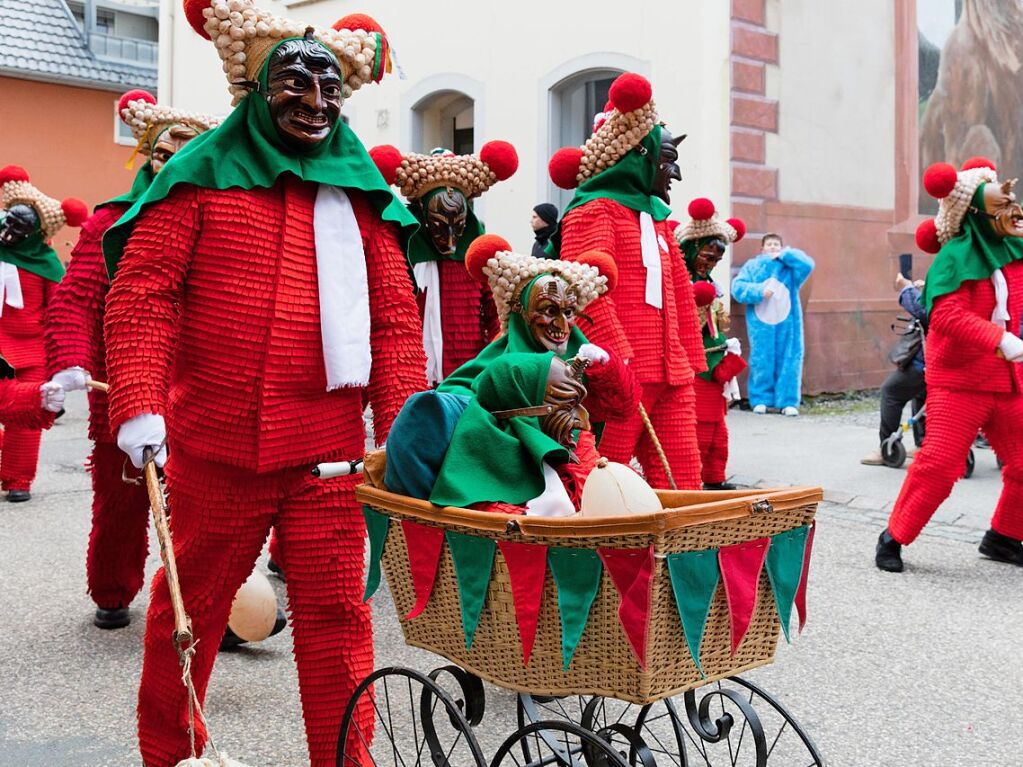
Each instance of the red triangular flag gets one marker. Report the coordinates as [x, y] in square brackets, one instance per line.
[801, 591]
[740, 570]
[527, 568]
[424, 545]
[632, 572]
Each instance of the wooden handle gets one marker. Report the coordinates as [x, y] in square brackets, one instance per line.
[182, 623]
[97, 385]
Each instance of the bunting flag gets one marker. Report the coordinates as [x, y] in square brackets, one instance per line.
[785, 569]
[801, 591]
[741, 566]
[473, 557]
[527, 569]
[632, 572]
[377, 525]
[577, 577]
[694, 579]
[424, 545]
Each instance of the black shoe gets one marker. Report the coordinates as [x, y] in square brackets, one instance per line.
[888, 554]
[230, 640]
[18, 496]
[1001, 548]
[280, 623]
[718, 486]
[113, 618]
[275, 568]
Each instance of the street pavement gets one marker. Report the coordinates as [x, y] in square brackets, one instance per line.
[918, 669]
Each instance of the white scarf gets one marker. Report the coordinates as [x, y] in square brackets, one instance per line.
[651, 260]
[10, 287]
[427, 276]
[343, 290]
[554, 500]
[1000, 315]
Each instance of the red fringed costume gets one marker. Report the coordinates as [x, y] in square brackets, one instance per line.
[711, 426]
[120, 512]
[236, 363]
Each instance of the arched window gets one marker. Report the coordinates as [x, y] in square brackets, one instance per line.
[443, 119]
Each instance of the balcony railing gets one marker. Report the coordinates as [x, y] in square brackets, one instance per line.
[142, 53]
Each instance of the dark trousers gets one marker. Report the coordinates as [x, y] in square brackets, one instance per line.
[900, 387]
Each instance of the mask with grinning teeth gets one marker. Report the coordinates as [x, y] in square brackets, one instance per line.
[550, 311]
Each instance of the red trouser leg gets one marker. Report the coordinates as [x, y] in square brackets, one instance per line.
[118, 543]
[953, 418]
[21, 446]
[713, 439]
[1003, 430]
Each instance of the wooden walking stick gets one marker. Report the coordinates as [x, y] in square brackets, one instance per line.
[657, 445]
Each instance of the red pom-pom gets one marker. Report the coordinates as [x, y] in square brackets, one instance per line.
[978, 162]
[629, 92]
[501, 157]
[739, 226]
[136, 95]
[564, 167]
[927, 237]
[193, 12]
[13, 173]
[701, 209]
[362, 21]
[75, 211]
[387, 158]
[704, 292]
[605, 264]
[940, 180]
[481, 250]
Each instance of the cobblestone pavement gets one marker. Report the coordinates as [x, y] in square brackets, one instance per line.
[917, 669]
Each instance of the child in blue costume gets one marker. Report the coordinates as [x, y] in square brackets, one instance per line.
[769, 286]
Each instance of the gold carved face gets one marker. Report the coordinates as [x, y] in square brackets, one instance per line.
[1003, 211]
[168, 144]
[446, 212]
[565, 392]
[550, 312]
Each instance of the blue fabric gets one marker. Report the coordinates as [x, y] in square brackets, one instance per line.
[418, 440]
[909, 299]
[776, 348]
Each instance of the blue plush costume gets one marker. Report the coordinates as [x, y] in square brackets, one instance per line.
[775, 325]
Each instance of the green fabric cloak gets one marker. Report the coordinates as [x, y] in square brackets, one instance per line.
[420, 246]
[500, 460]
[245, 152]
[33, 254]
[974, 254]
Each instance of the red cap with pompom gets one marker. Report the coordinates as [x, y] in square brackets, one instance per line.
[481, 250]
[564, 167]
[193, 12]
[362, 21]
[501, 157]
[978, 162]
[927, 236]
[739, 226]
[701, 209]
[605, 264]
[13, 173]
[75, 211]
[629, 92]
[940, 179]
[135, 95]
[704, 292]
[387, 158]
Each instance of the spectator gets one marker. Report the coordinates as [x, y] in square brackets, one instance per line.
[545, 224]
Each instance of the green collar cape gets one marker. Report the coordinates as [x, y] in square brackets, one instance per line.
[34, 255]
[500, 460]
[245, 152]
[420, 246]
[143, 178]
[628, 182]
[974, 254]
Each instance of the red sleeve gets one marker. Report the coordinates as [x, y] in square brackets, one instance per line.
[573, 475]
[75, 308]
[491, 323]
[396, 336]
[142, 306]
[591, 227]
[728, 368]
[688, 317]
[954, 317]
[21, 405]
[612, 391]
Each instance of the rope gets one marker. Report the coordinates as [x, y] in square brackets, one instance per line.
[194, 706]
[657, 445]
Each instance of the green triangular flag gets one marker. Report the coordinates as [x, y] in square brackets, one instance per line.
[473, 558]
[376, 527]
[785, 567]
[577, 576]
[694, 579]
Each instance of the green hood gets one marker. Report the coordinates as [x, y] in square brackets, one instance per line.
[33, 254]
[245, 152]
[420, 247]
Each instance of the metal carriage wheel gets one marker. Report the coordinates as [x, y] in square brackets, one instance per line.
[414, 722]
[559, 744]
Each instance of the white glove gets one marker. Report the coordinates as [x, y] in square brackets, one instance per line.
[72, 379]
[140, 432]
[1012, 347]
[734, 345]
[51, 396]
[593, 353]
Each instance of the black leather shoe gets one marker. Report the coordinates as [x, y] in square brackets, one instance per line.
[114, 618]
[719, 486]
[280, 623]
[230, 640]
[1001, 548]
[18, 496]
[276, 569]
[888, 554]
